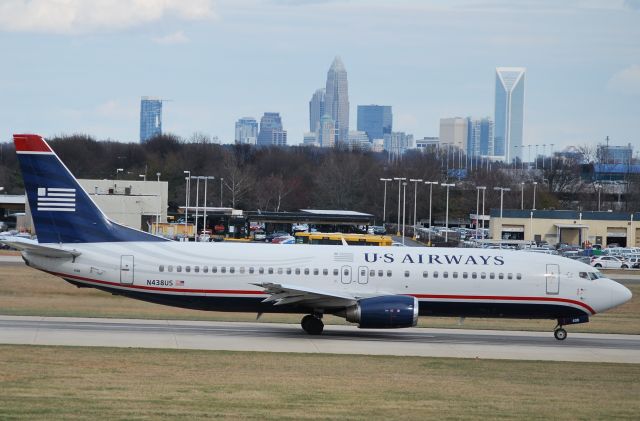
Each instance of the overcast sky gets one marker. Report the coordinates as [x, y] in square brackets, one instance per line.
[80, 66]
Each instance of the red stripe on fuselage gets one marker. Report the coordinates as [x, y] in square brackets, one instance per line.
[503, 298]
[249, 292]
[30, 143]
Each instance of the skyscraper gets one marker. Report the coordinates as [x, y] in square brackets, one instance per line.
[316, 110]
[480, 137]
[454, 132]
[271, 132]
[326, 132]
[336, 99]
[247, 131]
[509, 112]
[150, 118]
[376, 120]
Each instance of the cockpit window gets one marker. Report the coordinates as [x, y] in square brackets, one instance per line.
[594, 275]
[584, 275]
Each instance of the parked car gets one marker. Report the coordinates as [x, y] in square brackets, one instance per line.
[259, 235]
[608, 262]
[284, 239]
[633, 260]
[269, 238]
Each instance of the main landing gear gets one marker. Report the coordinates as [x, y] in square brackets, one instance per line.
[559, 333]
[312, 324]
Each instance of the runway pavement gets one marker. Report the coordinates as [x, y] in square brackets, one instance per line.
[268, 337]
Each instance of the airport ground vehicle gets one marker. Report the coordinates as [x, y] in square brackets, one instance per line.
[375, 287]
[338, 237]
[269, 237]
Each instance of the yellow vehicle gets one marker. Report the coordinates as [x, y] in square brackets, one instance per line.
[337, 237]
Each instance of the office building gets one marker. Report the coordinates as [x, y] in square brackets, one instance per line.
[150, 118]
[246, 131]
[326, 132]
[359, 140]
[336, 99]
[428, 144]
[310, 139]
[271, 132]
[509, 112]
[375, 120]
[397, 143]
[454, 132]
[316, 110]
[610, 154]
[480, 137]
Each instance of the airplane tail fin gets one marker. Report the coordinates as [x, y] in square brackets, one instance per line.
[62, 211]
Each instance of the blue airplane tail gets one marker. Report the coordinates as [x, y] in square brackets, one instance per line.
[62, 211]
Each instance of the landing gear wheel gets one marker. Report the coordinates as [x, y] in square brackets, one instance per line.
[560, 334]
[312, 324]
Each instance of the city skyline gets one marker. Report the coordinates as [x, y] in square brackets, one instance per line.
[84, 71]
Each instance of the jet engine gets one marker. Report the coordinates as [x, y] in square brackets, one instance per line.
[385, 312]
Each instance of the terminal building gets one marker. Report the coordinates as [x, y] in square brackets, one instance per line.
[567, 227]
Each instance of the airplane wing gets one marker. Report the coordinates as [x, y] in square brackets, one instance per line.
[280, 294]
[33, 247]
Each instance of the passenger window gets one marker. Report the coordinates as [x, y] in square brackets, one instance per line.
[306, 271]
[372, 273]
[280, 271]
[380, 273]
[483, 275]
[345, 272]
[325, 272]
[474, 275]
[316, 272]
[509, 276]
[288, 271]
[406, 273]
[170, 268]
[241, 269]
[518, 276]
[445, 274]
[251, 270]
[161, 268]
[196, 269]
[261, 270]
[214, 269]
[455, 275]
[465, 275]
[223, 269]
[492, 275]
[389, 273]
[232, 269]
[435, 274]
[178, 268]
[187, 268]
[205, 269]
[297, 271]
[270, 271]
[501, 276]
[425, 274]
[336, 272]
[363, 272]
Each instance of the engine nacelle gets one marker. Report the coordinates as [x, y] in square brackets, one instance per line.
[386, 312]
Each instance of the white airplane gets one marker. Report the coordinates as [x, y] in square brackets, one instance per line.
[375, 287]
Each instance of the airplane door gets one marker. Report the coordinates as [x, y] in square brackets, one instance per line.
[126, 270]
[553, 279]
[363, 275]
[346, 274]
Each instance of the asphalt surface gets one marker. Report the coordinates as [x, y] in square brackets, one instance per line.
[268, 337]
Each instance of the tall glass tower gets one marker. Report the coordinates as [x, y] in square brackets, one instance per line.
[336, 99]
[150, 118]
[271, 131]
[316, 110]
[376, 120]
[509, 112]
[246, 131]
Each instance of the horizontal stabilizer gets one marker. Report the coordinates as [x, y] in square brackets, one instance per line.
[32, 247]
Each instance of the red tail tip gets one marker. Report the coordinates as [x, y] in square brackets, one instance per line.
[30, 143]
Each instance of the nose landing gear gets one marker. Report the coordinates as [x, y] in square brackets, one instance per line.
[312, 324]
[559, 333]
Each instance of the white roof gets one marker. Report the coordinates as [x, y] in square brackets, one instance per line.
[12, 199]
[334, 212]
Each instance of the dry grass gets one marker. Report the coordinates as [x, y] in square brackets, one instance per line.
[108, 383]
[25, 291]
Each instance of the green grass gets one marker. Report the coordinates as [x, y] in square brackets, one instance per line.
[110, 383]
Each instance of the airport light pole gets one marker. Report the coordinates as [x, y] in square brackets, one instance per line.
[159, 203]
[478, 188]
[404, 207]
[415, 201]
[118, 171]
[446, 218]
[599, 187]
[143, 176]
[197, 178]
[186, 194]
[430, 183]
[535, 184]
[400, 180]
[384, 204]
[502, 190]
[221, 191]
[484, 189]
[522, 195]
[204, 223]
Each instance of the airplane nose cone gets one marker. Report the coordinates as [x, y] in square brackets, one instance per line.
[619, 294]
